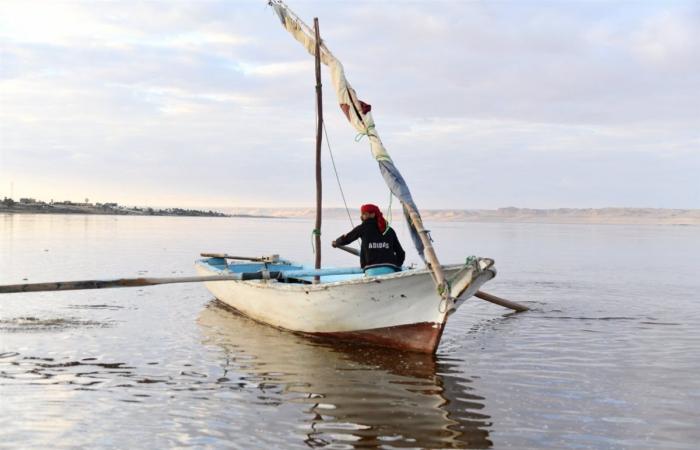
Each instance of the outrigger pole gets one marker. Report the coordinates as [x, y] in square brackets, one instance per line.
[79, 285]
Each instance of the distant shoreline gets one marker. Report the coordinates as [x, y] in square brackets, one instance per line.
[84, 213]
[112, 209]
[602, 216]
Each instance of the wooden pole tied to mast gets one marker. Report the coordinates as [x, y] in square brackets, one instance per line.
[429, 252]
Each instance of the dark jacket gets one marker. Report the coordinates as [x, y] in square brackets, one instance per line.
[376, 248]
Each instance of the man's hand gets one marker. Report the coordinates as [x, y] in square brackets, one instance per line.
[334, 245]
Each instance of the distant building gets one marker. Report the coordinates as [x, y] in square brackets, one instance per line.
[27, 200]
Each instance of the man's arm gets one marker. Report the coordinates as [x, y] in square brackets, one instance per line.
[350, 237]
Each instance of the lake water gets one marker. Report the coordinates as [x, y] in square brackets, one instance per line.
[608, 358]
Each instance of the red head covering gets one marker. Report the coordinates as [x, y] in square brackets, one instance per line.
[381, 222]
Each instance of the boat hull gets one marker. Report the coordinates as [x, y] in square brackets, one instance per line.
[401, 310]
[416, 337]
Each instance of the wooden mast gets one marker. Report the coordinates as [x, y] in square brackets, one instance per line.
[319, 129]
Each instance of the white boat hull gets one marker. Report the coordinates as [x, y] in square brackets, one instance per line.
[401, 310]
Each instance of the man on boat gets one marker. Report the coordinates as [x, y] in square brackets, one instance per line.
[380, 250]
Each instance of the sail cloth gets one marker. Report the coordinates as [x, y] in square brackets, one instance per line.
[358, 113]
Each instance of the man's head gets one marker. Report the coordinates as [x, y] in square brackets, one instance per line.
[369, 211]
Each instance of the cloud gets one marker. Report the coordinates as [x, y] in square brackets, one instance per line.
[667, 40]
[275, 69]
[526, 104]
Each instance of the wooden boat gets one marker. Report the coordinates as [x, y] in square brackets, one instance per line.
[405, 310]
[399, 310]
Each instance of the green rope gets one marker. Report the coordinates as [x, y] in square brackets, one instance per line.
[367, 132]
[314, 232]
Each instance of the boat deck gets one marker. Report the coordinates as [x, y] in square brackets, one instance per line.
[220, 264]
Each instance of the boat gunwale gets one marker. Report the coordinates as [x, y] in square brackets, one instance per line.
[273, 283]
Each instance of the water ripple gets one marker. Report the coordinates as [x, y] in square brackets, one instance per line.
[33, 324]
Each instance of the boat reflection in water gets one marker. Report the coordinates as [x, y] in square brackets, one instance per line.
[356, 396]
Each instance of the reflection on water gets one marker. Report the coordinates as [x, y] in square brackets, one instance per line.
[363, 396]
[245, 382]
[606, 359]
[34, 370]
[28, 324]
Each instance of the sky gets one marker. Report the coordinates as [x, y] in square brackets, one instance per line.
[537, 104]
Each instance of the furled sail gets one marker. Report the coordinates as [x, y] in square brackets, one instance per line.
[359, 114]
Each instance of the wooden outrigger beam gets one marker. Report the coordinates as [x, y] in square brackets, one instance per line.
[105, 284]
[140, 282]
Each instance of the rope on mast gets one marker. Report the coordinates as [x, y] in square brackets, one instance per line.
[337, 177]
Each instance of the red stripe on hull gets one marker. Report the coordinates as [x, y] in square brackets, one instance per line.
[421, 337]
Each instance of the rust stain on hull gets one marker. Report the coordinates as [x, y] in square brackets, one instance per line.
[421, 337]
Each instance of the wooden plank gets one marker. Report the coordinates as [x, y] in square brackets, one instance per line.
[271, 258]
[349, 250]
